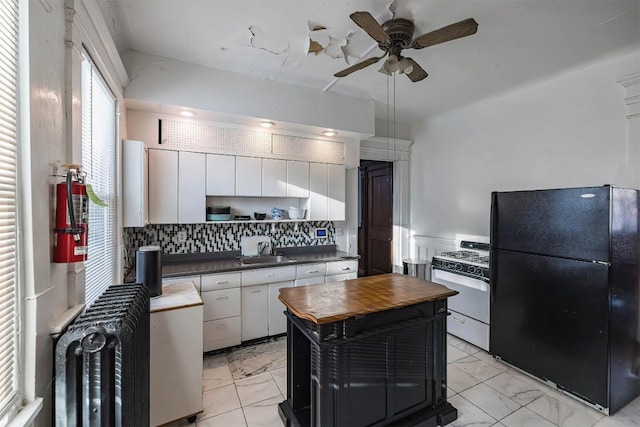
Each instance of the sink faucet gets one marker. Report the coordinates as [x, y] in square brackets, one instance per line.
[262, 246]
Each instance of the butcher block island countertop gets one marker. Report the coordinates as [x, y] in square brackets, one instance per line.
[367, 351]
[331, 302]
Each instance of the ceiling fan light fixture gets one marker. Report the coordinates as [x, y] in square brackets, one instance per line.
[405, 66]
[384, 69]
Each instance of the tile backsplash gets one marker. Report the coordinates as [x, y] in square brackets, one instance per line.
[211, 237]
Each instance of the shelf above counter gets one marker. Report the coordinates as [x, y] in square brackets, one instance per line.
[254, 221]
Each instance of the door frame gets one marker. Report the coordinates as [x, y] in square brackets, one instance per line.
[397, 151]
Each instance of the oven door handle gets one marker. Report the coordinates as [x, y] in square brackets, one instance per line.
[444, 277]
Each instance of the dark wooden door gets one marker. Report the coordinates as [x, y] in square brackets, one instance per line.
[375, 233]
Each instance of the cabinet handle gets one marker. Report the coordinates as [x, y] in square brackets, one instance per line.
[255, 291]
[312, 271]
[270, 274]
[222, 282]
[345, 268]
[458, 319]
[222, 326]
[223, 297]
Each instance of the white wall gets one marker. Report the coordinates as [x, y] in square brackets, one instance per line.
[160, 80]
[50, 288]
[45, 282]
[568, 131]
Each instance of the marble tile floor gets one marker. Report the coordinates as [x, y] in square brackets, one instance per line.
[244, 386]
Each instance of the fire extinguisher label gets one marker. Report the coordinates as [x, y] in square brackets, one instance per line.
[80, 250]
[80, 209]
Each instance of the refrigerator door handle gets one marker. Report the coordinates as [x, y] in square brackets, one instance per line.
[492, 272]
[608, 264]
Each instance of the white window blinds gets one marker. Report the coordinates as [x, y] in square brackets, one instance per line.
[99, 162]
[8, 240]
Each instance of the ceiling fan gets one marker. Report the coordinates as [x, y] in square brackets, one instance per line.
[397, 34]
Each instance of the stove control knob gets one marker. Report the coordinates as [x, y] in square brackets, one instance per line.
[458, 267]
[471, 269]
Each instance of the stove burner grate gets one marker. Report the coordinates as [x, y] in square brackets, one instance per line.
[460, 254]
[480, 259]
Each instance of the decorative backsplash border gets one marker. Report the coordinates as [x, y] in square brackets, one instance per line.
[212, 237]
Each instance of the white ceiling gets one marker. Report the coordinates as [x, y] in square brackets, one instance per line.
[518, 42]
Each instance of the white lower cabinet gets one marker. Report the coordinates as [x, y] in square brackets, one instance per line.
[255, 311]
[222, 306]
[341, 277]
[175, 380]
[277, 318]
[260, 300]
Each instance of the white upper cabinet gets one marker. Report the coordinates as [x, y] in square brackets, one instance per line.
[163, 186]
[318, 191]
[192, 201]
[274, 178]
[297, 179]
[336, 192]
[248, 176]
[221, 175]
[135, 187]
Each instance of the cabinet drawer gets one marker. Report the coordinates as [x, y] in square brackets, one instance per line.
[309, 281]
[221, 333]
[342, 267]
[221, 303]
[268, 275]
[211, 282]
[341, 277]
[310, 270]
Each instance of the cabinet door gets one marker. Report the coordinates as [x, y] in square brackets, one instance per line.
[318, 186]
[175, 364]
[192, 200]
[163, 186]
[135, 188]
[255, 312]
[336, 192]
[274, 178]
[248, 176]
[277, 319]
[297, 179]
[221, 175]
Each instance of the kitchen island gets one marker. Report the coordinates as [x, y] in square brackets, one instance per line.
[367, 351]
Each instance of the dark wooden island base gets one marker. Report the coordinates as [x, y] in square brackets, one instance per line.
[367, 352]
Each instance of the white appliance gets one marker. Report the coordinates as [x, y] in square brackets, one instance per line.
[466, 271]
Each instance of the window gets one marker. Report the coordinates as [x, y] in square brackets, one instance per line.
[99, 162]
[9, 295]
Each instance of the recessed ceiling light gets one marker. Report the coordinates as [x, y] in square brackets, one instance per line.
[267, 124]
[329, 132]
[187, 113]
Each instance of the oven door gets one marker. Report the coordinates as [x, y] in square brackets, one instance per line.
[473, 294]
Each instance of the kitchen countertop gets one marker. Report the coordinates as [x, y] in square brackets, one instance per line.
[331, 302]
[187, 266]
[174, 296]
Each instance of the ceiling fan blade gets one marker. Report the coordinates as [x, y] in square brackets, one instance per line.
[371, 26]
[418, 73]
[358, 66]
[445, 34]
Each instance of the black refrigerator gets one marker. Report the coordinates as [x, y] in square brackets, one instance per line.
[565, 289]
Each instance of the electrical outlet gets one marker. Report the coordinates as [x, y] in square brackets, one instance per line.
[181, 237]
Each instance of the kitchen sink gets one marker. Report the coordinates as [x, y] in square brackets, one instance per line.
[265, 259]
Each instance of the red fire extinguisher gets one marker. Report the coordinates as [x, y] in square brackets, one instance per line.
[72, 217]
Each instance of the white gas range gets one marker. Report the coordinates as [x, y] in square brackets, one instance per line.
[466, 271]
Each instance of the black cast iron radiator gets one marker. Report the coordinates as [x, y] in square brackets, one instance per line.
[102, 362]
